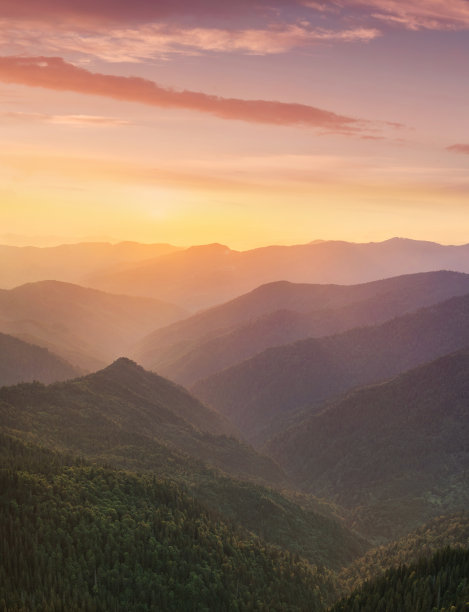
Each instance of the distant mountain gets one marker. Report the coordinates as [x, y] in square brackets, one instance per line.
[202, 276]
[397, 452]
[129, 418]
[438, 583]
[71, 262]
[24, 362]
[87, 327]
[281, 313]
[260, 393]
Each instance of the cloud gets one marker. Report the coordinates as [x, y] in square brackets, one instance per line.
[56, 74]
[155, 40]
[62, 119]
[417, 14]
[136, 11]
[459, 148]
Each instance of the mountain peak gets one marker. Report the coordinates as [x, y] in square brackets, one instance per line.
[123, 364]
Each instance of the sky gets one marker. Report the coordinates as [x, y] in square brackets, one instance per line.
[246, 123]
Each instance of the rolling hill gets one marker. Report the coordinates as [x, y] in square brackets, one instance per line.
[24, 362]
[281, 313]
[87, 327]
[260, 394]
[396, 452]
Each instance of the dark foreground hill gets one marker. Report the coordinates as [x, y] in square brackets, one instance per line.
[437, 584]
[133, 419]
[281, 380]
[396, 452]
[281, 313]
[80, 537]
[126, 413]
[24, 362]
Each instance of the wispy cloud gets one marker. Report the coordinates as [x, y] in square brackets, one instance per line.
[155, 40]
[417, 14]
[56, 74]
[125, 12]
[79, 120]
[459, 148]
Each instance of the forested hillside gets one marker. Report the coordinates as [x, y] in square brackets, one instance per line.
[438, 584]
[80, 537]
[129, 418]
[395, 452]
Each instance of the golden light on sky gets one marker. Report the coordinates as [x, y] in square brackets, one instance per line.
[247, 124]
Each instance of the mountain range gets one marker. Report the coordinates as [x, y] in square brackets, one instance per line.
[206, 275]
[260, 394]
[281, 313]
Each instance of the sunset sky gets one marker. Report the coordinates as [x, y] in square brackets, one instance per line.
[246, 123]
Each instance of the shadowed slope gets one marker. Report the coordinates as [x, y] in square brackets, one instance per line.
[397, 451]
[24, 362]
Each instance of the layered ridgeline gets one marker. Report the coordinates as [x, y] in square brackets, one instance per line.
[202, 276]
[72, 262]
[133, 419]
[394, 453]
[281, 313]
[259, 394]
[24, 362]
[88, 328]
[438, 584]
[80, 537]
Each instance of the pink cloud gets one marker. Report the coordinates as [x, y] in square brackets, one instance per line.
[418, 14]
[79, 120]
[54, 73]
[126, 11]
[459, 148]
[152, 40]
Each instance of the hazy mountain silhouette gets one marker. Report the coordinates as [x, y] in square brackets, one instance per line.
[284, 379]
[24, 362]
[71, 262]
[281, 313]
[87, 327]
[401, 446]
[202, 276]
